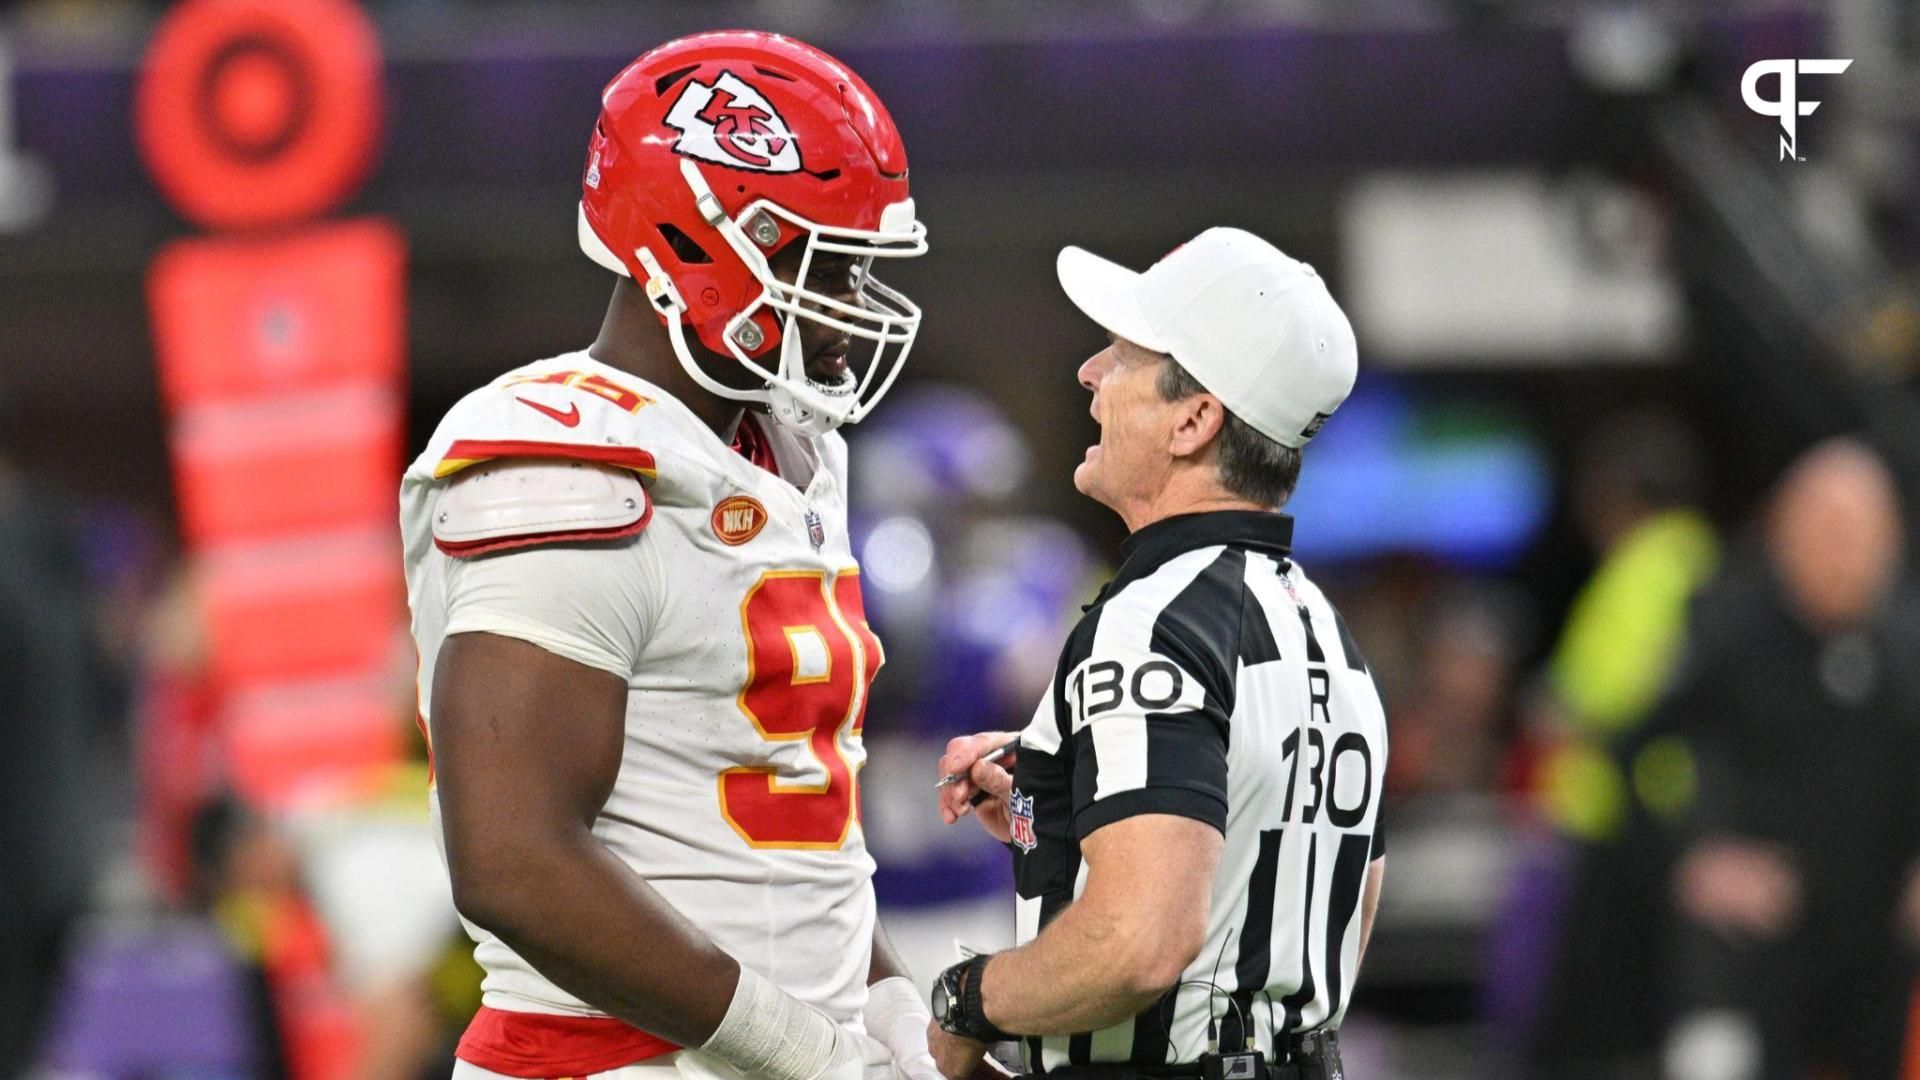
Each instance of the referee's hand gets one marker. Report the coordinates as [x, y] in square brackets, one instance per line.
[993, 778]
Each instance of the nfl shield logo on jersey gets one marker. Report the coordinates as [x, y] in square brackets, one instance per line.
[1020, 830]
[816, 529]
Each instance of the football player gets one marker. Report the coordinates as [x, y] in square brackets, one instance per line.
[644, 658]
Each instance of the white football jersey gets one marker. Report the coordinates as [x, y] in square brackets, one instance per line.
[734, 614]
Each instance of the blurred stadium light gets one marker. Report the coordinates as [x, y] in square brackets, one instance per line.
[26, 184]
[1509, 268]
[1397, 466]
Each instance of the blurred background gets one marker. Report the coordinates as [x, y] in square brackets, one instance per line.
[1619, 511]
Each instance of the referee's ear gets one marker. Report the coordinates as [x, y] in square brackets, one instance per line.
[1197, 423]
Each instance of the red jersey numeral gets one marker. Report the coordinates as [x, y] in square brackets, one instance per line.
[810, 658]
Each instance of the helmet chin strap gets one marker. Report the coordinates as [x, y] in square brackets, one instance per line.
[797, 402]
[665, 297]
[789, 404]
[790, 410]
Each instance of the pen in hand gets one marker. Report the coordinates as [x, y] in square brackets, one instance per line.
[997, 754]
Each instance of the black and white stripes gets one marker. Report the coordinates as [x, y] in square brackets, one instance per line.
[1211, 680]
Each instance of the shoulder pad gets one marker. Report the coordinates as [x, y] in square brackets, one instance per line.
[553, 409]
[570, 415]
[510, 503]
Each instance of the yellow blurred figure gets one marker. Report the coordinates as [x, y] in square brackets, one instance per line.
[1626, 627]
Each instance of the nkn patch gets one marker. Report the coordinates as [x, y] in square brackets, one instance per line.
[739, 519]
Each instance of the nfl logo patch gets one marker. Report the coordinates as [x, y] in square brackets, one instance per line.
[1021, 829]
[816, 529]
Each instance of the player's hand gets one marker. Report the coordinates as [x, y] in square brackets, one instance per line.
[859, 1057]
[957, 1058]
[995, 778]
[897, 1016]
[876, 1061]
[1739, 887]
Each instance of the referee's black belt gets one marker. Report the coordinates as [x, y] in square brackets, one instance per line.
[1313, 1056]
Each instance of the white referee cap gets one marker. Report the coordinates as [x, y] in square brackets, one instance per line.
[1257, 329]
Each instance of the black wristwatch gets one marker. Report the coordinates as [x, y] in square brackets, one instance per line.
[956, 1002]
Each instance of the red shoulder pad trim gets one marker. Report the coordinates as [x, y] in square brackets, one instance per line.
[472, 548]
[468, 452]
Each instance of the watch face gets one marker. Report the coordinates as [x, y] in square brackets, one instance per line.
[942, 1001]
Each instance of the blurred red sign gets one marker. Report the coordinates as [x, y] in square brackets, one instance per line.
[282, 362]
[259, 112]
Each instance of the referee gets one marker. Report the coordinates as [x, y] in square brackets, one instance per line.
[1193, 810]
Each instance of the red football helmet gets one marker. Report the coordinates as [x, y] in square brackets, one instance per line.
[715, 151]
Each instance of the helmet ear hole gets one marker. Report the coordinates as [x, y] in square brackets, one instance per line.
[684, 247]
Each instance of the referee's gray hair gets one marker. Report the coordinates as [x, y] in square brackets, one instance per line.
[1252, 466]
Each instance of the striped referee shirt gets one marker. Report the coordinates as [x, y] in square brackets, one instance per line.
[1212, 680]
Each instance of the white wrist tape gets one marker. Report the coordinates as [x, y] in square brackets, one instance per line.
[769, 1033]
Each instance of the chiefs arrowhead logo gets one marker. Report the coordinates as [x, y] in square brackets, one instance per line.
[738, 519]
[730, 123]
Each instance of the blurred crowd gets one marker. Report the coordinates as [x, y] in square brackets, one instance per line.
[1707, 787]
[152, 922]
